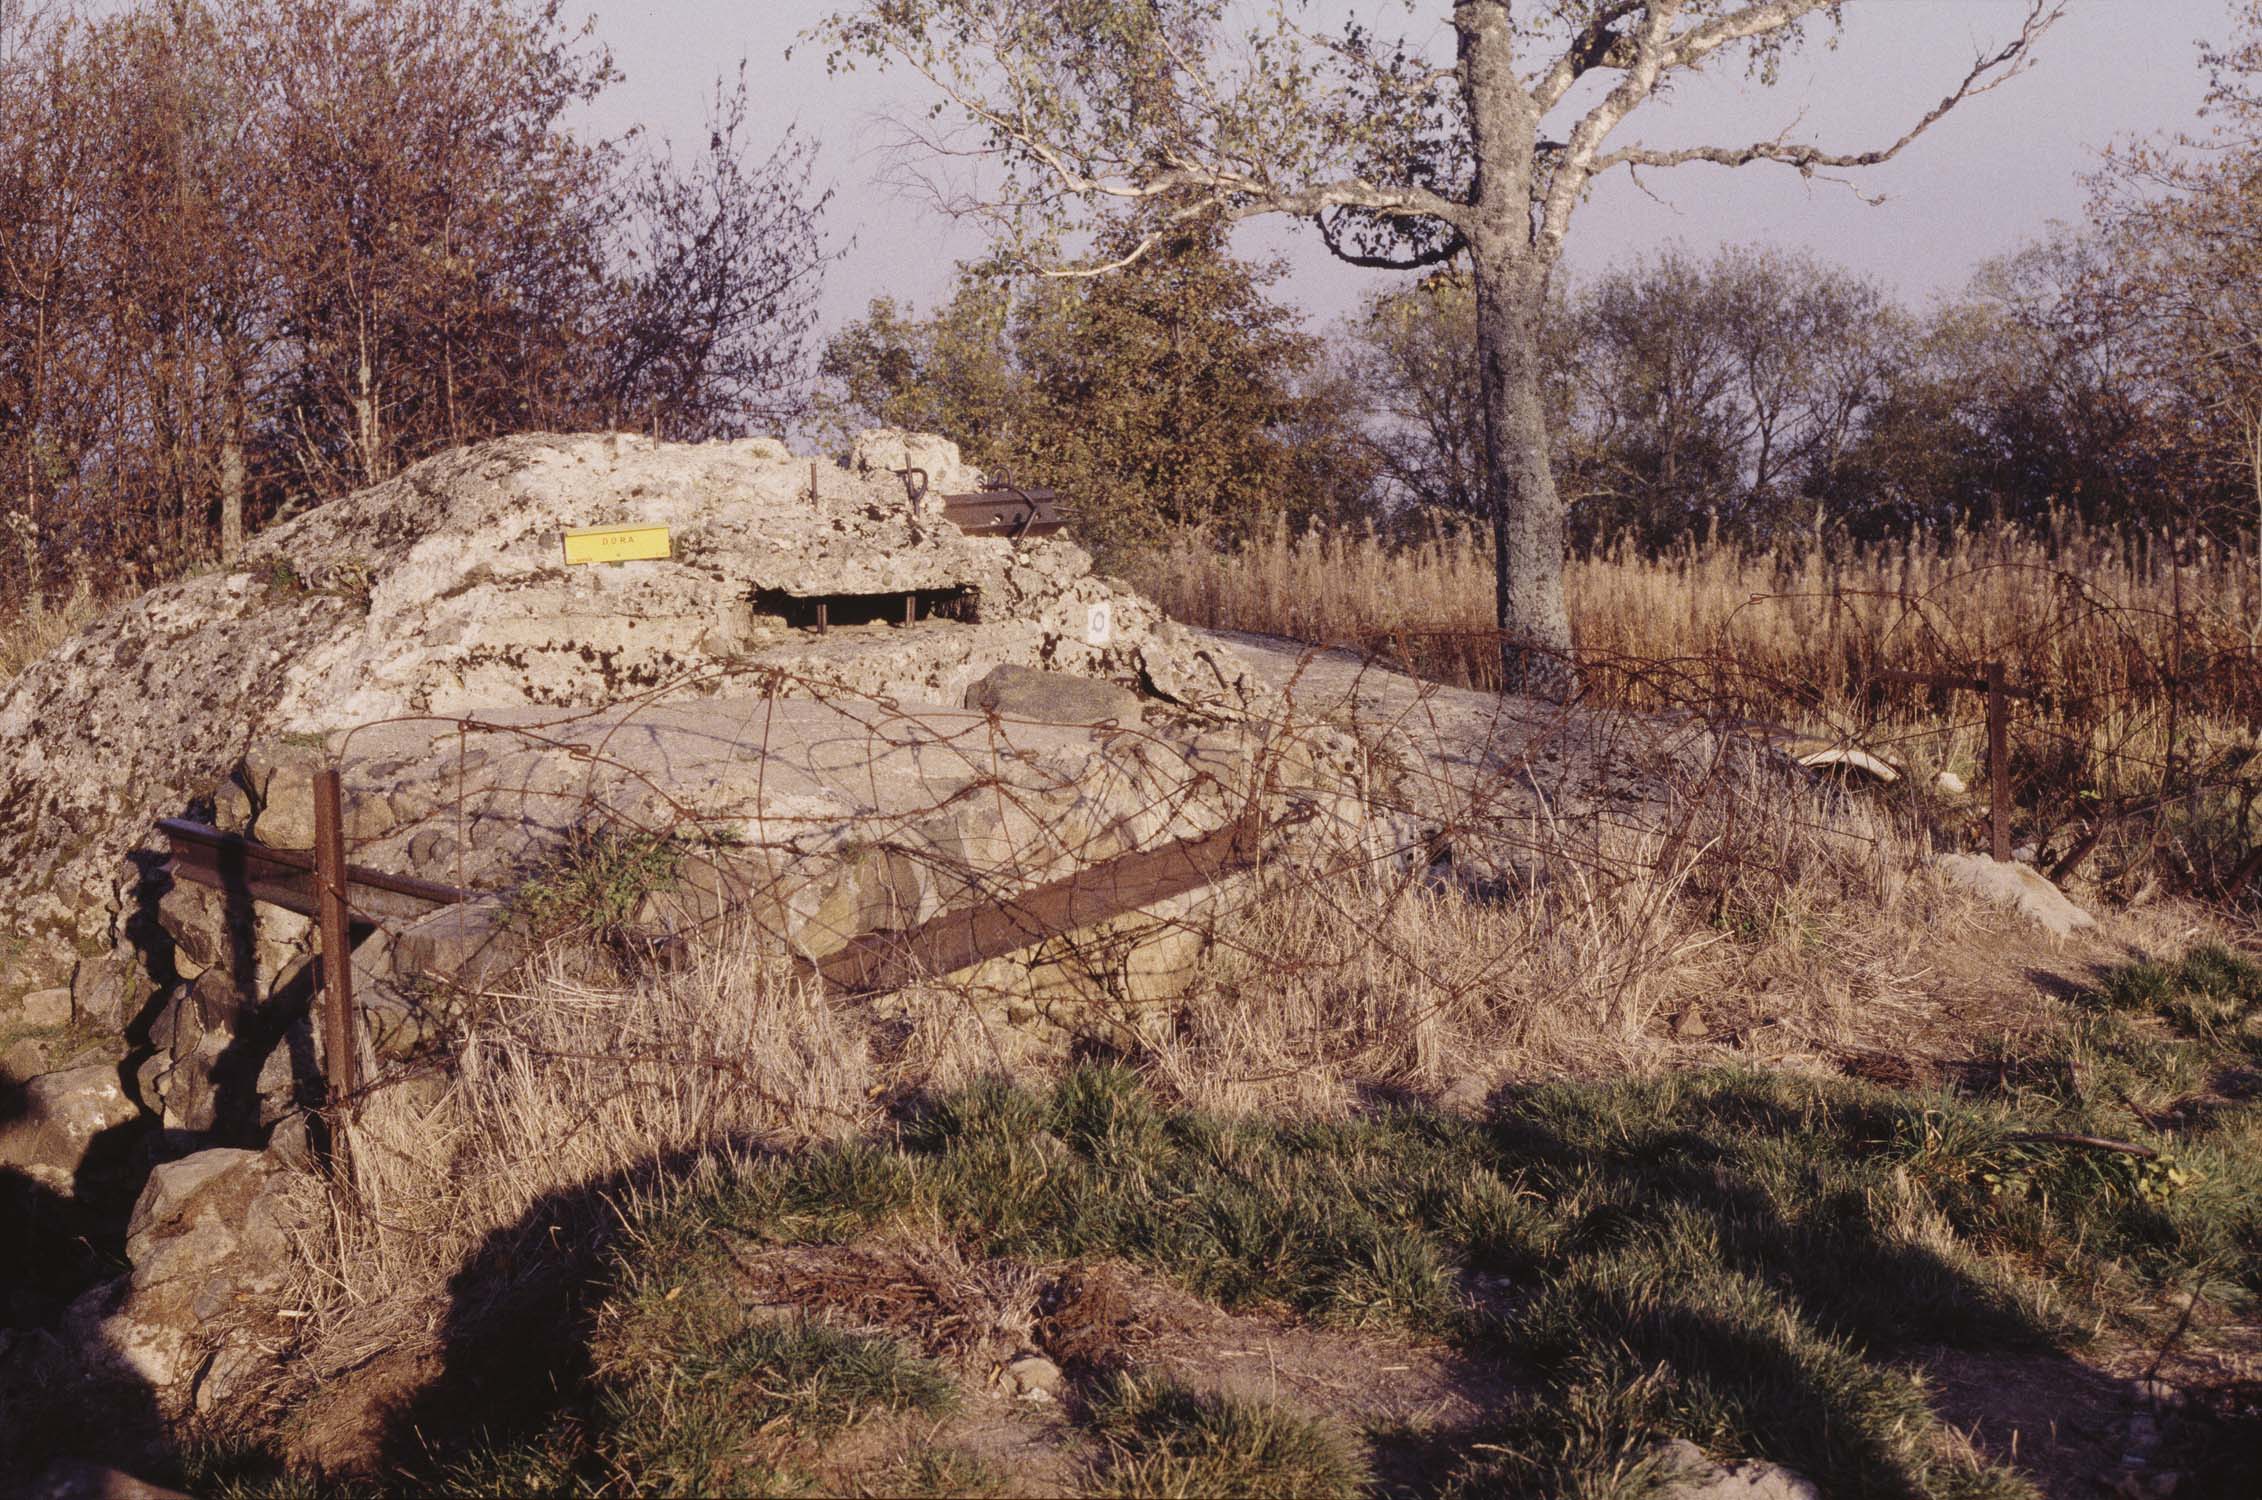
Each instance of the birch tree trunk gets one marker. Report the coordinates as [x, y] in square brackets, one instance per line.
[1519, 482]
[1511, 265]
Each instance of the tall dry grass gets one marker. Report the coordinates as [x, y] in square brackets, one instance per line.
[1770, 918]
[2081, 614]
[2139, 661]
[585, 1090]
[28, 633]
[565, 1099]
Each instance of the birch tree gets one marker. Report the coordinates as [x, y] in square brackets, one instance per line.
[1165, 112]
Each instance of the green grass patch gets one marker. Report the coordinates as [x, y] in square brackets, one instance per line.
[714, 1406]
[941, 1473]
[1752, 1262]
[744, 1409]
[2211, 994]
[1747, 1261]
[595, 884]
[1167, 1442]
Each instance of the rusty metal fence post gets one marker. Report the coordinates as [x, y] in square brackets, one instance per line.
[1994, 682]
[338, 1037]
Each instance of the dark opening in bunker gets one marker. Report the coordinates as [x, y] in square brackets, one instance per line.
[821, 612]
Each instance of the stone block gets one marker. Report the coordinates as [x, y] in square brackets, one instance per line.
[467, 945]
[1014, 692]
[26, 1059]
[231, 807]
[107, 992]
[209, 1239]
[401, 1024]
[46, 1008]
[1687, 1473]
[2020, 887]
[58, 1116]
[204, 931]
[225, 1065]
[84, 1479]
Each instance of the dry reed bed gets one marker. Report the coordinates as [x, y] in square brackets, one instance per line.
[2141, 660]
[2087, 616]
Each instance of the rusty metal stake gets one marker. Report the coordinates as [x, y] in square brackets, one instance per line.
[910, 609]
[1999, 762]
[824, 618]
[337, 943]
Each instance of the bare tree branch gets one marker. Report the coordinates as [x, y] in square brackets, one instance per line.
[1988, 72]
[1597, 46]
[1435, 255]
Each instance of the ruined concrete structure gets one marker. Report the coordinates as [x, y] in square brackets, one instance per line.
[778, 709]
[445, 591]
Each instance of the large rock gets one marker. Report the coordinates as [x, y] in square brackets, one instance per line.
[210, 1245]
[2020, 887]
[467, 945]
[1688, 1473]
[1015, 692]
[50, 1124]
[891, 452]
[82, 1479]
[107, 991]
[44, 1008]
[227, 1065]
[444, 592]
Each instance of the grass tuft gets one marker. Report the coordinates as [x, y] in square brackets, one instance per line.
[594, 887]
[1166, 1441]
[727, 1407]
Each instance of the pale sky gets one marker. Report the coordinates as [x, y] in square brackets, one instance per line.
[1983, 181]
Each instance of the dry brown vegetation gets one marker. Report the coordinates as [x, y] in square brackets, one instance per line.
[1786, 930]
[2141, 655]
[29, 632]
[2088, 615]
[626, 1131]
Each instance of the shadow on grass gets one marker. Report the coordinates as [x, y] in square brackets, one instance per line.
[1751, 1263]
[515, 1341]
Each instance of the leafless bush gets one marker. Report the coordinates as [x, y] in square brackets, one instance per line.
[256, 253]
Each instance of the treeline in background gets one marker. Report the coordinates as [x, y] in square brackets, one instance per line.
[1746, 397]
[256, 253]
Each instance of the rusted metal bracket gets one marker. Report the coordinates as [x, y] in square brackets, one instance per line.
[339, 1043]
[1005, 510]
[880, 961]
[1999, 695]
[229, 862]
[320, 885]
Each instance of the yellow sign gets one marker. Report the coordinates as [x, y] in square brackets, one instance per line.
[595, 544]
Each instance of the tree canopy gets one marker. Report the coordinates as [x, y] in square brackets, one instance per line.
[1144, 118]
[254, 252]
[1178, 395]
